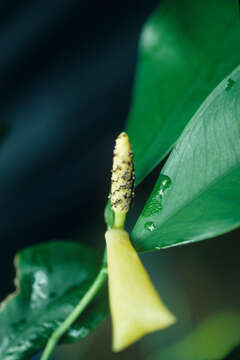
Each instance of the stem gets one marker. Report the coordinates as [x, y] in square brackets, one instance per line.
[119, 219]
[59, 332]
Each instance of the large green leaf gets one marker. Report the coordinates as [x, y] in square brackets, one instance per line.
[51, 279]
[197, 196]
[187, 47]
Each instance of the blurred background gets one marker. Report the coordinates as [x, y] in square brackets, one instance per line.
[67, 69]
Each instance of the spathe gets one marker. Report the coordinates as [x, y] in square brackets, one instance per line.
[136, 308]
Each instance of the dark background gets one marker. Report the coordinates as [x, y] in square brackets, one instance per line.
[67, 70]
[66, 73]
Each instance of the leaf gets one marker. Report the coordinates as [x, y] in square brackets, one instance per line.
[109, 215]
[186, 48]
[52, 279]
[212, 339]
[200, 197]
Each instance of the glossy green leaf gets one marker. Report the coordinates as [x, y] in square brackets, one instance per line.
[186, 48]
[51, 279]
[197, 196]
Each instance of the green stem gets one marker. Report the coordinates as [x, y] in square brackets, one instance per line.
[60, 331]
[119, 219]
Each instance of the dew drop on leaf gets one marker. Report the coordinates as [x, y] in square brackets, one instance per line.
[79, 333]
[230, 84]
[155, 202]
[150, 226]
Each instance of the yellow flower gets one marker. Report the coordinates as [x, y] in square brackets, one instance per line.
[136, 308]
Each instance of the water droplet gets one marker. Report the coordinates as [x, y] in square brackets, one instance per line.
[78, 333]
[164, 184]
[150, 226]
[150, 37]
[39, 289]
[155, 203]
[230, 84]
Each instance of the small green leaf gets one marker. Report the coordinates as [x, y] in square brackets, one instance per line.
[51, 279]
[109, 215]
[187, 47]
[198, 194]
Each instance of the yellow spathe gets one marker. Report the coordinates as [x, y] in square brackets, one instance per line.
[136, 308]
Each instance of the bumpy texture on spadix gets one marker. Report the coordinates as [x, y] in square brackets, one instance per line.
[122, 175]
[136, 308]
